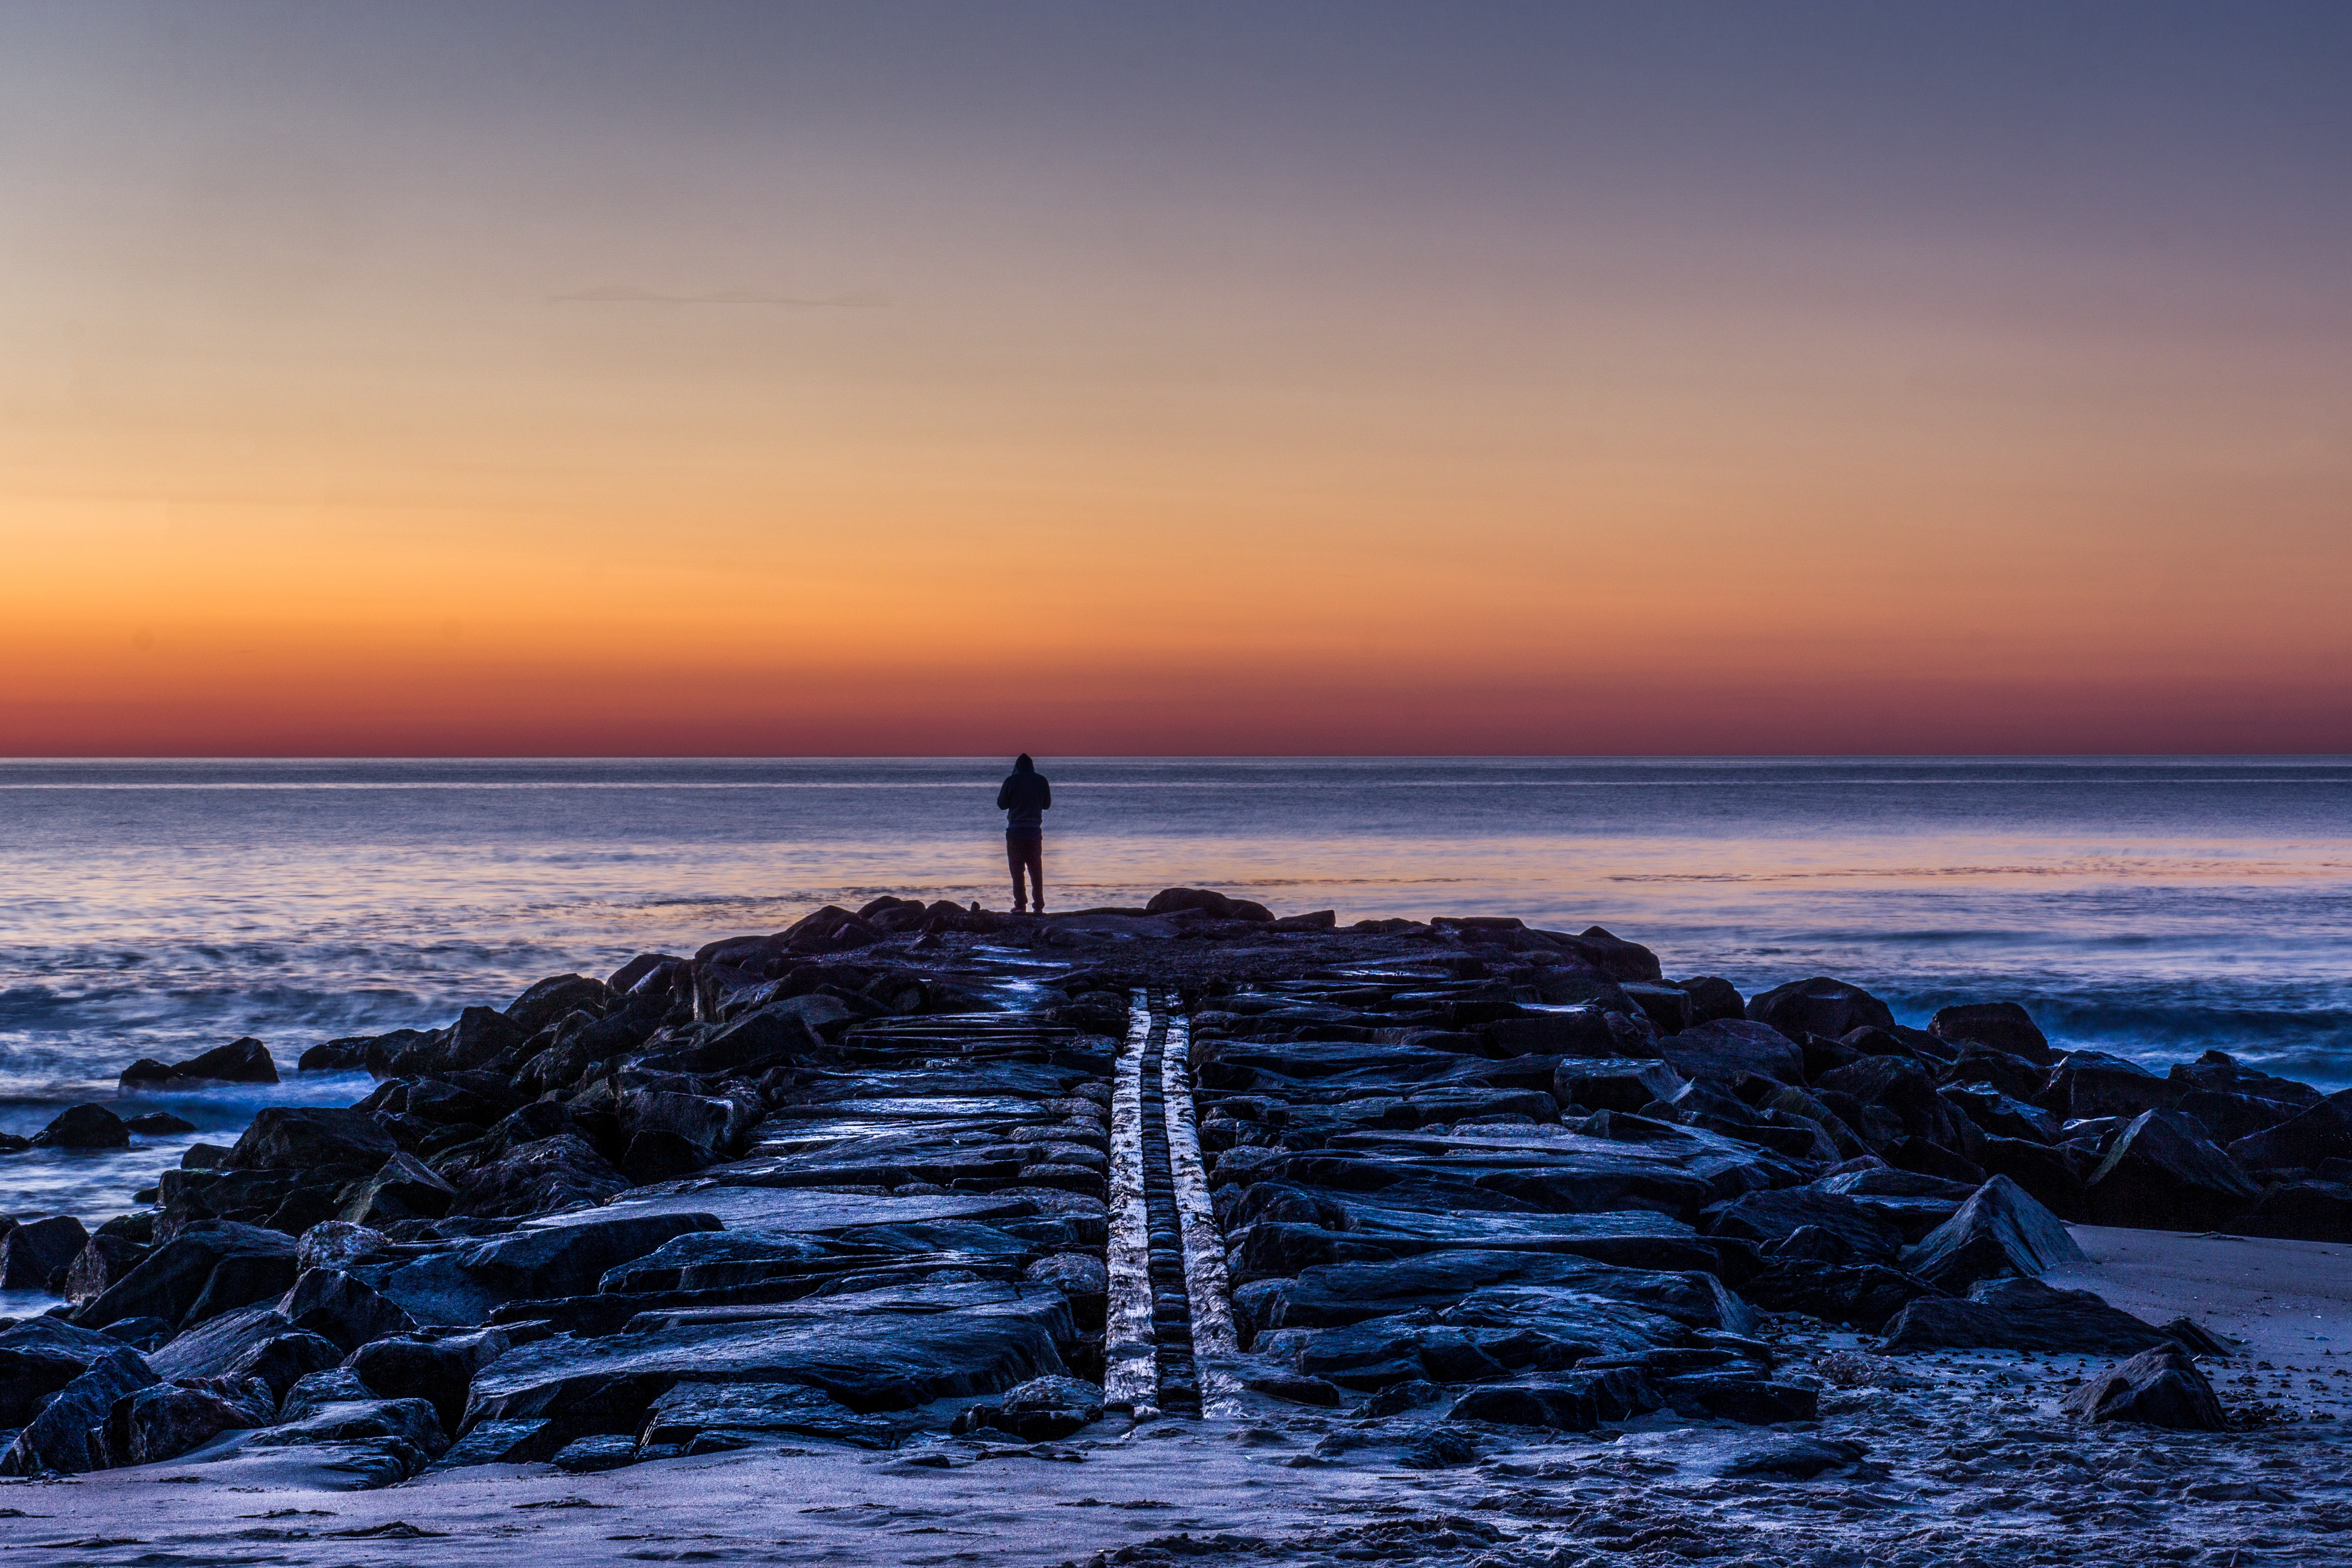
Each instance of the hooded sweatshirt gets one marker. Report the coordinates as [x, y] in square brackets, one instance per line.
[1024, 800]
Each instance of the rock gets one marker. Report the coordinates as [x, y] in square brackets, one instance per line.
[1081, 1278]
[1732, 1396]
[2301, 1211]
[84, 1126]
[151, 1425]
[1998, 1232]
[176, 1282]
[1795, 1459]
[1729, 1049]
[695, 1416]
[283, 1360]
[2088, 1084]
[2002, 1116]
[303, 1137]
[33, 1254]
[339, 1306]
[662, 1156]
[1172, 900]
[1310, 1391]
[1575, 1032]
[1773, 1216]
[1469, 1285]
[339, 1244]
[1441, 1447]
[64, 1381]
[2301, 1142]
[701, 1260]
[159, 1124]
[2003, 1026]
[2158, 1387]
[1575, 1402]
[148, 1334]
[1818, 1006]
[410, 1422]
[1042, 1410]
[873, 1350]
[99, 1265]
[506, 1443]
[554, 998]
[586, 1456]
[1714, 998]
[204, 1157]
[571, 1259]
[2020, 1314]
[1862, 1296]
[1608, 1086]
[315, 1391]
[551, 1176]
[2049, 1173]
[210, 1348]
[404, 1187]
[2162, 1174]
[404, 1367]
[240, 1061]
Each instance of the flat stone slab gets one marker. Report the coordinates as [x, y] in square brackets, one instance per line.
[794, 1209]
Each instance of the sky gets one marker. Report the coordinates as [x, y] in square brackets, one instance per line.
[703, 379]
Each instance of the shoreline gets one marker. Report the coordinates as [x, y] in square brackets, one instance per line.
[1497, 1215]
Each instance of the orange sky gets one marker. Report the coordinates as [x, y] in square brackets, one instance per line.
[348, 411]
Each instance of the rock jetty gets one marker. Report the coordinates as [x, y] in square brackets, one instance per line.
[916, 1184]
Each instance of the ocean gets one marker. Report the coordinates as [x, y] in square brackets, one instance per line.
[2151, 907]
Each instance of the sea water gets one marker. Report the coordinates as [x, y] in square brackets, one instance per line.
[2155, 908]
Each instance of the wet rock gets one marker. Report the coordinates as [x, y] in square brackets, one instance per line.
[1441, 1447]
[506, 1443]
[875, 1350]
[240, 1061]
[1042, 1410]
[158, 1124]
[339, 1244]
[2323, 1132]
[1456, 1283]
[701, 1259]
[84, 1126]
[587, 1456]
[1568, 1402]
[2002, 1116]
[315, 1391]
[341, 1307]
[212, 1348]
[409, 1423]
[2051, 1175]
[98, 1266]
[1174, 901]
[1614, 1086]
[551, 1176]
[692, 1414]
[572, 1259]
[2162, 1174]
[2301, 1211]
[1730, 1049]
[65, 1379]
[2000, 1231]
[303, 1137]
[1819, 1006]
[1081, 1278]
[2003, 1026]
[554, 998]
[177, 1280]
[440, 1372]
[1578, 1031]
[33, 1254]
[151, 1425]
[2020, 1314]
[1795, 1459]
[147, 1334]
[2158, 1387]
[1308, 1391]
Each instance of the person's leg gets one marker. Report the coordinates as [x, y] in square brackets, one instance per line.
[1037, 873]
[1014, 853]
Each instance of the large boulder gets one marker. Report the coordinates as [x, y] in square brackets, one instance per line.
[39, 1251]
[570, 1260]
[1177, 900]
[284, 1359]
[702, 1416]
[1713, 997]
[2158, 1387]
[99, 1265]
[2003, 1026]
[2052, 1174]
[2021, 1314]
[240, 1061]
[1860, 1296]
[2301, 1211]
[1819, 1006]
[303, 1137]
[1613, 1086]
[2323, 1132]
[1768, 1218]
[2163, 1174]
[1041, 1410]
[211, 1267]
[1562, 1402]
[339, 1306]
[84, 1126]
[1730, 1049]
[1998, 1232]
[404, 1187]
[2087, 1085]
[557, 996]
[59, 1381]
[151, 1424]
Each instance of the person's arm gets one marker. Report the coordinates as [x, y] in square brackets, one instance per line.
[1044, 796]
[1004, 795]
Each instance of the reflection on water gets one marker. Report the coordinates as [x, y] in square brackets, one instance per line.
[2151, 907]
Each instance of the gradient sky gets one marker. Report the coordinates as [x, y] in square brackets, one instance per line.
[698, 378]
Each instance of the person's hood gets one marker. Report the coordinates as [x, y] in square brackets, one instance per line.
[1022, 764]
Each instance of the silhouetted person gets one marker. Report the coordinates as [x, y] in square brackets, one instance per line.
[1024, 800]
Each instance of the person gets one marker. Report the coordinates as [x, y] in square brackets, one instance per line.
[1024, 799]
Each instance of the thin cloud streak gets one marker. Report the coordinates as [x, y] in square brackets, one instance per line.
[625, 295]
